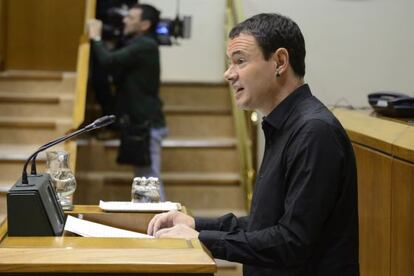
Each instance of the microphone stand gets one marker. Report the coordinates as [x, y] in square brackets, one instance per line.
[32, 205]
[98, 123]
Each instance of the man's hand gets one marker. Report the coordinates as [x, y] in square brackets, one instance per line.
[168, 220]
[179, 231]
[94, 28]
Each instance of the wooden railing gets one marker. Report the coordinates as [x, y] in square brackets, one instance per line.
[81, 82]
[82, 70]
[244, 125]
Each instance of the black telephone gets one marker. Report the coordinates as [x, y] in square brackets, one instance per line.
[392, 104]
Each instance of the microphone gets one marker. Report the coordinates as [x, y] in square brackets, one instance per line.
[98, 123]
[102, 122]
[32, 205]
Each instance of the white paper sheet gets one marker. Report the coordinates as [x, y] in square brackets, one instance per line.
[91, 229]
[128, 206]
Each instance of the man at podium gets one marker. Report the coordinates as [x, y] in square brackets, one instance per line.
[304, 215]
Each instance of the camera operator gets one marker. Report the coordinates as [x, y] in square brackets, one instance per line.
[136, 72]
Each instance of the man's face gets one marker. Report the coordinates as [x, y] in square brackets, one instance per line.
[251, 76]
[132, 22]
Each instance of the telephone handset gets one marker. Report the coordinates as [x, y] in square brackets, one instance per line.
[392, 104]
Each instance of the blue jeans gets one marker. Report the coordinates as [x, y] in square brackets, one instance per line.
[154, 170]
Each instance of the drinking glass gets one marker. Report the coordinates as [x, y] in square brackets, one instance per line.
[145, 189]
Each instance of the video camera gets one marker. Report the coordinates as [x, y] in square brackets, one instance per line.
[177, 28]
[168, 30]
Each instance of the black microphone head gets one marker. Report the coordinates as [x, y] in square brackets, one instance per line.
[103, 121]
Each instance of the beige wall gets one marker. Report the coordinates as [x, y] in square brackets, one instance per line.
[354, 47]
[200, 58]
[43, 34]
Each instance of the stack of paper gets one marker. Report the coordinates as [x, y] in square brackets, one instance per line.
[91, 229]
[128, 206]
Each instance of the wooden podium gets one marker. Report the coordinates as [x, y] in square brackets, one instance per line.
[384, 150]
[70, 255]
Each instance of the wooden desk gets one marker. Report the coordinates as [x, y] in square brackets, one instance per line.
[384, 150]
[109, 256]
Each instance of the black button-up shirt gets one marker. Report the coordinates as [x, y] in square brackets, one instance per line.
[304, 215]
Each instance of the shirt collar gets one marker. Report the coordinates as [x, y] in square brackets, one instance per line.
[281, 112]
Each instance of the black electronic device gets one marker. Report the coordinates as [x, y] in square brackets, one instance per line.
[168, 30]
[32, 205]
[34, 210]
[177, 28]
[392, 104]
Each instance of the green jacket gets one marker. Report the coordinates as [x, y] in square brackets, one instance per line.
[136, 72]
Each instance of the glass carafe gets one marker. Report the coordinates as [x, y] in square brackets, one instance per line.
[63, 180]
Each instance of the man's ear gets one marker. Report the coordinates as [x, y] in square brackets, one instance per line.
[281, 60]
[145, 25]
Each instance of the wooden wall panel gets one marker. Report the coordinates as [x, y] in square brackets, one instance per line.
[43, 34]
[374, 199]
[385, 156]
[402, 257]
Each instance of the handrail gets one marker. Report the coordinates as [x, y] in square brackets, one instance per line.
[2, 35]
[81, 82]
[82, 68]
[242, 118]
[3, 227]
[82, 71]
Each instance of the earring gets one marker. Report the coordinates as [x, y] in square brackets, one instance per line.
[277, 71]
[277, 74]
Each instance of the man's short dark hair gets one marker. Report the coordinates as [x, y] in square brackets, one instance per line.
[273, 31]
[149, 13]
